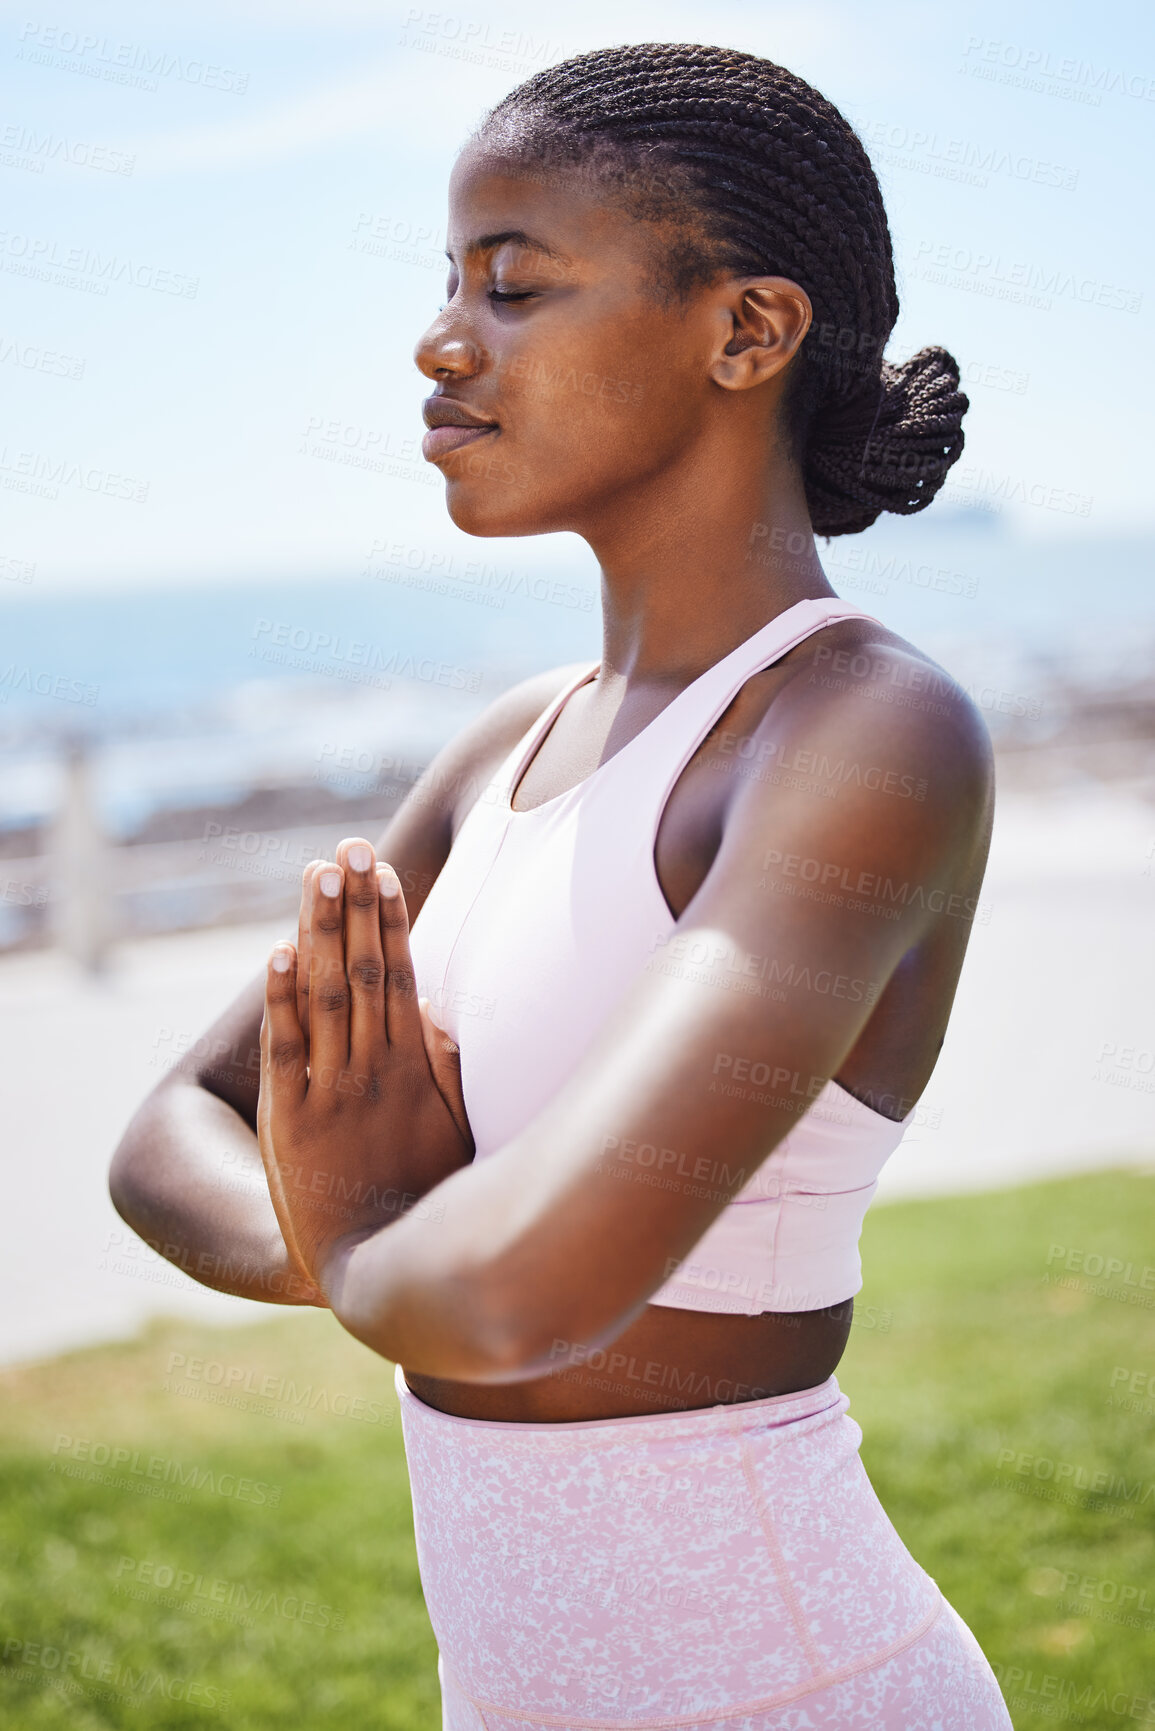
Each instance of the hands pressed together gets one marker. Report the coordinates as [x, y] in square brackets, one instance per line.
[361, 1110]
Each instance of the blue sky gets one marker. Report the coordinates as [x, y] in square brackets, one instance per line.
[273, 177]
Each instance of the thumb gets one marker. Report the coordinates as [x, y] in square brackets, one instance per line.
[444, 1056]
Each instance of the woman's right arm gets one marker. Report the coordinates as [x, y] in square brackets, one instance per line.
[187, 1175]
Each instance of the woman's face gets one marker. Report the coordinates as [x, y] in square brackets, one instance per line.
[587, 385]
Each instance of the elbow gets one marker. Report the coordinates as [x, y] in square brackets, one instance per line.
[510, 1334]
[499, 1348]
[531, 1334]
[122, 1176]
[129, 1170]
[126, 1187]
[463, 1327]
[523, 1324]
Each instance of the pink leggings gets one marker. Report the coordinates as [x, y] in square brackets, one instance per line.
[727, 1568]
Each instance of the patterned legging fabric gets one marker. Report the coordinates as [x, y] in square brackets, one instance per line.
[724, 1569]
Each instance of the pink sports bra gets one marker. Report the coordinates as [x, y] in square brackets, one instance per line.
[522, 954]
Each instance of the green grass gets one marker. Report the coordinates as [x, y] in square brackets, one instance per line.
[963, 1348]
[991, 1348]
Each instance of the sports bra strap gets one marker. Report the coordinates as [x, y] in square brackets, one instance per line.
[675, 735]
[656, 756]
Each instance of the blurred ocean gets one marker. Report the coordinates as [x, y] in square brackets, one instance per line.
[195, 695]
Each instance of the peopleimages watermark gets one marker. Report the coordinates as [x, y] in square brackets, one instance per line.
[399, 239]
[792, 1091]
[1051, 1696]
[1130, 1067]
[33, 472]
[1029, 66]
[163, 1263]
[17, 570]
[80, 267]
[68, 1668]
[253, 1390]
[878, 674]
[375, 450]
[137, 1469]
[23, 895]
[775, 548]
[327, 652]
[712, 961]
[886, 568]
[215, 1595]
[357, 766]
[808, 771]
[257, 853]
[24, 147]
[1139, 1382]
[987, 376]
[40, 683]
[331, 1193]
[1138, 1276]
[1096, 1596]
[652, 1373]
[475, 41]
[113, 62]
[475, 578]
[1020, 281]
[33, 359]
[902, 683]
[1058, 1480]
[865, 892]
[989, 489]
[665, 1168]
[927, 151]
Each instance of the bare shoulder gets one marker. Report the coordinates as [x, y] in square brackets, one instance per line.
[860, 679]
[865, 733]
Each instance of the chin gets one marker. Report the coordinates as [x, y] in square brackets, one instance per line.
[483, 512]
[477, 516]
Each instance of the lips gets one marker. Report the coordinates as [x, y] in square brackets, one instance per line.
[451, 427]
[439, 441]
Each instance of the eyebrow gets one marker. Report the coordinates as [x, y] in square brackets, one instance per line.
[490, 242]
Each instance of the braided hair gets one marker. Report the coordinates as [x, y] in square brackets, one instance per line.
[760, 176]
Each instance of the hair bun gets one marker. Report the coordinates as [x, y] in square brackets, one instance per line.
[887, 449]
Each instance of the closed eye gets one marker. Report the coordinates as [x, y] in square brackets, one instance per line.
[501, 295]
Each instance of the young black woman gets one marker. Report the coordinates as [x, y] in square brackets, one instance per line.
[692, 917]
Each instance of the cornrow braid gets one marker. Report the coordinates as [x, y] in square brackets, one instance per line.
[761, 176]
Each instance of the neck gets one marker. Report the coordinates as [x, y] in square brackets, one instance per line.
[695, 561]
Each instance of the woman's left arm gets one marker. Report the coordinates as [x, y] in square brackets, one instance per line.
[777, 961]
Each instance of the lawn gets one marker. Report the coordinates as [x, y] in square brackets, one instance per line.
[212, 1527]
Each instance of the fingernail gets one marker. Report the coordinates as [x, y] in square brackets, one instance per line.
[360, 857]
[389, 881]
[282, 959]
[330, 883]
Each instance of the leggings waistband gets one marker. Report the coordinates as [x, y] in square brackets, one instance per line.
[723, 1419]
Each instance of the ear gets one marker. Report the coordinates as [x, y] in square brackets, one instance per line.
[761, 322]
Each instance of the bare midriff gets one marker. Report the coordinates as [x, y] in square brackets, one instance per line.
[666, 1361]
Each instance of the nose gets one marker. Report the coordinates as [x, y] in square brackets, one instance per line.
[447, 350]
